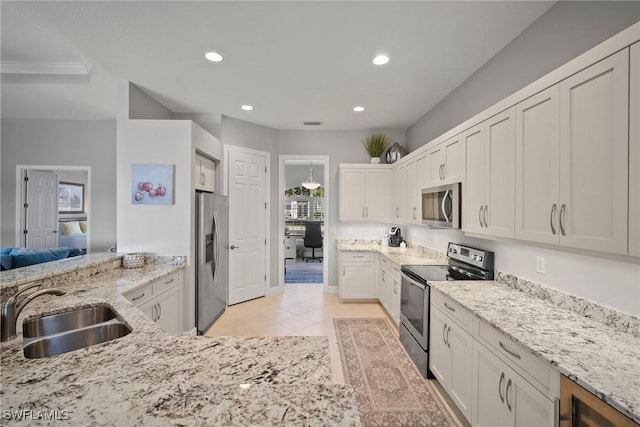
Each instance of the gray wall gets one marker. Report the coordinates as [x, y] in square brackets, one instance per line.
[65, 143]
[567, 30]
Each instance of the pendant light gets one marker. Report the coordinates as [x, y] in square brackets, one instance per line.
[310, 184]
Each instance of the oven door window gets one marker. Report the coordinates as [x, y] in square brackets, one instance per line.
[412, 304]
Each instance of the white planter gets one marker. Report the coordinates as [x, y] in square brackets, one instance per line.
[375, 160]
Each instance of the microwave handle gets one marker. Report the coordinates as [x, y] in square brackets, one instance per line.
[444, 200]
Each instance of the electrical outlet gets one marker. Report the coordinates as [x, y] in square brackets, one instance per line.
[540, 267]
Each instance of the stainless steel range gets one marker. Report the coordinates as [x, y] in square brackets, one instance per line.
[465, 263]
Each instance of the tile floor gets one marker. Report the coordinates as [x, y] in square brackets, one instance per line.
[300, 310]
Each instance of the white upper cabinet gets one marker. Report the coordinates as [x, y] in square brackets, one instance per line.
[474, 188]
[594, 144]
[634, 153]
[445, 162]
[399, 193]
[204, 172]
[364, 193]
[538, 167]
[412, 190]
[489, 202]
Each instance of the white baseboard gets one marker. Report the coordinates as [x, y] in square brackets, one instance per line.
[192, 333]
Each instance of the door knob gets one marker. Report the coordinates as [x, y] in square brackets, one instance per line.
[234, 247]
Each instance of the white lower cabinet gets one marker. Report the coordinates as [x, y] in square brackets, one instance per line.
[388, 286]
[493, 381]
[504, 398]
[451, 359]
[357, 275]
[162, 301]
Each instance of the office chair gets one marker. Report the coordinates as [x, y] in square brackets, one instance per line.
[313, 239]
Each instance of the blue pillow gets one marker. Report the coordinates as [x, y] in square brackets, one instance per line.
[74, 252]
[6, 261]
[24, 257]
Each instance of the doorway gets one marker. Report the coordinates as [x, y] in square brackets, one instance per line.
[304, 255]
[65, 212]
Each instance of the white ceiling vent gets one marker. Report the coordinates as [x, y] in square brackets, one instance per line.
[312, 123]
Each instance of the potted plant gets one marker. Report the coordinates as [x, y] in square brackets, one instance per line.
[375, 144]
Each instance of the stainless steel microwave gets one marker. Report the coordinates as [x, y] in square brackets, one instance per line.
[441, 206]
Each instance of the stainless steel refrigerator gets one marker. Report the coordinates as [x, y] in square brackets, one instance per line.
[212, 219]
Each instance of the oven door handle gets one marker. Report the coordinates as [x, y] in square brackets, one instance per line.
[414, 282]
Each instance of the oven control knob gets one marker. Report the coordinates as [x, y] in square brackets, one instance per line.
[478, 258]
[453, 251]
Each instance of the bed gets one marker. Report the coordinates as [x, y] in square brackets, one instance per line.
[73, 234]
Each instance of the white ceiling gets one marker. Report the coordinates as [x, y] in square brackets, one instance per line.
[293, 61]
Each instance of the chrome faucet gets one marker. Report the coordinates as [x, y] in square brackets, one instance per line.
[11, 311]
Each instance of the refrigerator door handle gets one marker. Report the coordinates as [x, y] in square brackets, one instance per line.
[216, 245]
[216, 249]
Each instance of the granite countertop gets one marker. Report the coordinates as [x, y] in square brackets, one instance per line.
[150, 378]
[412, 255]
[600, 358]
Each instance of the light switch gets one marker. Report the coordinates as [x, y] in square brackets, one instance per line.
[540, 267]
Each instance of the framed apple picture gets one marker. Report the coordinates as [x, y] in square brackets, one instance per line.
[151, 184]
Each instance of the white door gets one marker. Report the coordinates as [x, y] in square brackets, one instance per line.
[453, 161]
[594, 126]
[41, 211]
[247, 226]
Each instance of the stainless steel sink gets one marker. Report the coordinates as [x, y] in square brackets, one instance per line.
[67, 321]
[52, 345]
[47, 336]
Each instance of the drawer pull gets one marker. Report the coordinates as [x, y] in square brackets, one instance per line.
[449, 307]
[448, 341]
[169, 281]
[516, 355]
[500, 387]
[138, 297]
[444, 330]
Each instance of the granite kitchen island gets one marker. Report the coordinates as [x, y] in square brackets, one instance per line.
[150, 378]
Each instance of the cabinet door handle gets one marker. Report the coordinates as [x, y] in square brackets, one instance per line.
[448, 334]
[138, 297]
[169, 281]
[449, 307]
[484, 215]
[159, 311]
[480, 216]
[444, 171]
[516, 355]
[203, 179]
[500, 387]
[553, 226]
[563, 208]
[153, 312]
[444, 331]
[506, 394]
[414, 212]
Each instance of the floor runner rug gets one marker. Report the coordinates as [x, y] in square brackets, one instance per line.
[390, 391]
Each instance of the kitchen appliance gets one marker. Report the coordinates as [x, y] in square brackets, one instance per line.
[211, 258]
[579, 407]
[395, 236]
[441, 206]
[465, 263]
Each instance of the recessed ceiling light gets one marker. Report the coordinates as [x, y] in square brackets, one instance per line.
[358, 108]
[213, 56]
[381, 59]
[247, 107]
